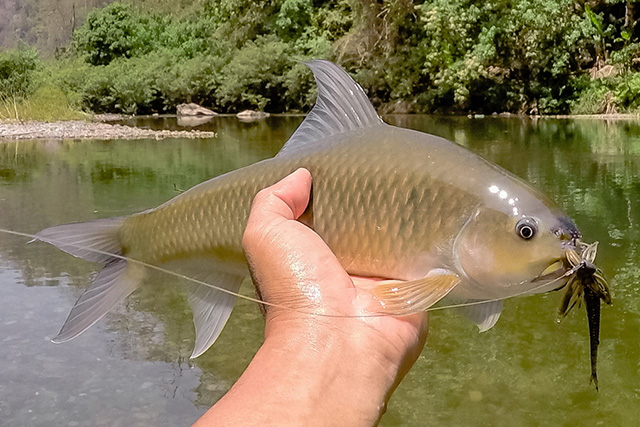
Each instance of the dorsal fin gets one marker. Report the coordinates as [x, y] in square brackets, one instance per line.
[342, 106]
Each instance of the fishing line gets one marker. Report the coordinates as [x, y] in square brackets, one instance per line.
[33, 238]
[151, 266]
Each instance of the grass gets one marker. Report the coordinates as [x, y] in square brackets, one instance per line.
[47, 104]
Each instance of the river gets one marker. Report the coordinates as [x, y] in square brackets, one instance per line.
[132, 367]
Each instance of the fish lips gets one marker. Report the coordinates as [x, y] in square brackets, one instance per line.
[557, 271]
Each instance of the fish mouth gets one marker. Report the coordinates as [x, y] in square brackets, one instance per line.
[576, 269]
[561, 269]
[558, 271]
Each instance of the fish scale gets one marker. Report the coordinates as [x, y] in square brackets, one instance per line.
[370, 206]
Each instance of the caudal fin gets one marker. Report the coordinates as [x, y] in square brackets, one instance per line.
[95, 241]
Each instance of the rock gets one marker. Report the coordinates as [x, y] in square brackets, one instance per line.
[251, 115]
[192, 109]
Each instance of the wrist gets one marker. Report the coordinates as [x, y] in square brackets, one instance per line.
[322, 371]
[319, 373]
[329, 376]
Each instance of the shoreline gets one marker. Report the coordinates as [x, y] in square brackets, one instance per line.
[101, 129]
[79, 129]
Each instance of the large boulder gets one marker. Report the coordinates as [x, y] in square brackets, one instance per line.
[193, 109]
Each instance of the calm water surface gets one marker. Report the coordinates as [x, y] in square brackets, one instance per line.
[132, 367]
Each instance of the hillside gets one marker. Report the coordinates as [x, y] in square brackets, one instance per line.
[45, 24]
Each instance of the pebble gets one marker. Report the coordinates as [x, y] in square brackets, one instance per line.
[77, 129]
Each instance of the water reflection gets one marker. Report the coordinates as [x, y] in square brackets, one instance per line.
[527, 370]
[193, 121]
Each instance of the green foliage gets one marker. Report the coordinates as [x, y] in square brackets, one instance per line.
[526, 56]
[626, 55]
[122, 86]
[606, 95]
[516, 55]
[17, 68]
[47, 103]
[293, 18]
[189, 80]
[255, 75]
[594, 98]
[628, 92]
[117, 31]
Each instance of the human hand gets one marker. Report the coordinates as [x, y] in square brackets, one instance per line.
[326, 359]
[309, 289]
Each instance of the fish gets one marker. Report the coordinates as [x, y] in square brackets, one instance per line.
[441, 222]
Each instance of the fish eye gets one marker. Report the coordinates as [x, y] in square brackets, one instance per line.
[526, 228]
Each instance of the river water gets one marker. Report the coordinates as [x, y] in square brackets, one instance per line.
[132, 367]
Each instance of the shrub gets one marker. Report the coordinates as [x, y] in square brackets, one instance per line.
[254, 78]
[186, 80]
[116, 31]
[593, 98]
[124, 86]
[628, 92]
[17, 68]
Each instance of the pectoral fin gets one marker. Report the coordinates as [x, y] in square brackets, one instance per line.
[401, 298]
[212, 308]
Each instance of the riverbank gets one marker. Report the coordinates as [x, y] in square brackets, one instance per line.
[102, 129]
[78, 129]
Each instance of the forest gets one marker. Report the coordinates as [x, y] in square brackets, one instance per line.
[68, 58]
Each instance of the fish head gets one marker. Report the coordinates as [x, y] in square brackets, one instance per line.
[501, 254]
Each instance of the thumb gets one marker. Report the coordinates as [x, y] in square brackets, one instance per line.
[285, 200]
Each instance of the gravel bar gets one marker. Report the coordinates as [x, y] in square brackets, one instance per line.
[78, 129]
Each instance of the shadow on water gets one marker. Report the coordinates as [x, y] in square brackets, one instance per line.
[132, 367]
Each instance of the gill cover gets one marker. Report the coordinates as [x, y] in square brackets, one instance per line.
[499, 255]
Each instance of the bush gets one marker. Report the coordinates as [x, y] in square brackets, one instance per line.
[186, 80]
[17, 69]
[116, 31]
[124, 86]
[628, 92]
[515, 55]
[255, 76]
[594, 97]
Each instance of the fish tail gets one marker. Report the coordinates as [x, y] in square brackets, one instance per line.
[96, 241]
